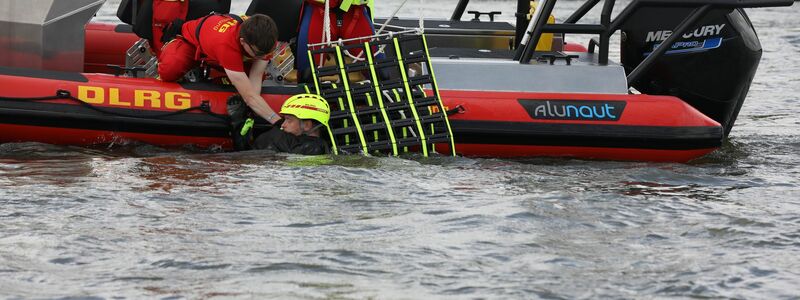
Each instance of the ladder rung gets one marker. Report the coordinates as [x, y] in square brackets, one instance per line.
[427, 101]
[431, 119]
[328, 70]
[355, 148]
[374, 126]
[355, 67]
[328, 94]
[361, 89]
[379, 145]
[409, 141]
[415, 59]
[418, 80]
[386, 62]
[345, 130]
[330, 50]
[368, 110]
[439, 138]
[391, 84]
[403, 122]
[339, 114]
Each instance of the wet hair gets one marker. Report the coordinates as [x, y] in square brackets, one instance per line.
[260, 31]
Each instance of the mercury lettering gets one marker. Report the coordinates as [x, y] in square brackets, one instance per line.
[661, 35]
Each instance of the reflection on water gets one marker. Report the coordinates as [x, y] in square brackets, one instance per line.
[34, 163]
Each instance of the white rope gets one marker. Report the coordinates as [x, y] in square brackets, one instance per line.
[326, 41]
[391, 17]
[326, 24]
[390, 34]
[421, 16]
[378, 33]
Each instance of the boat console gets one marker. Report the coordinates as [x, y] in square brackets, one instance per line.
[45, 34]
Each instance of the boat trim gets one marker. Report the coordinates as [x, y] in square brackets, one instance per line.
[78, 117]
[587, 135]
[43, 74]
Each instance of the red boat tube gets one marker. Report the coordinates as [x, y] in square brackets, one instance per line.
[604, 126]
[86, 109]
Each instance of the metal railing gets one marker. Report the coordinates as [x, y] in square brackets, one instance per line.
[608, 26]
[527, 35]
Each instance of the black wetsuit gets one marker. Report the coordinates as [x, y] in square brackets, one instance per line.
[280, 141]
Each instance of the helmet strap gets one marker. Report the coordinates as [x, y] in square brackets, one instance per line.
[312, 129]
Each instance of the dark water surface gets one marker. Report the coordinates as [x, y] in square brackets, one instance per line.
[140, 222]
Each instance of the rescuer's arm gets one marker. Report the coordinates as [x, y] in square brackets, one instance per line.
[252, 96]
[257, 73]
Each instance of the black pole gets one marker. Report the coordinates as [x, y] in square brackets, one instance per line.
[460, 7]
[605, 37]
[530, 47]
[684, 26]
[523, 8]
[719, 3]
[578, 14]
[623, 16]
[134, 8]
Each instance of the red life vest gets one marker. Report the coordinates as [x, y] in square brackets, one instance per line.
[164, 12]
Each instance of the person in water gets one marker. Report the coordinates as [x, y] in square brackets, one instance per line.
[228, 42]
[304, 117]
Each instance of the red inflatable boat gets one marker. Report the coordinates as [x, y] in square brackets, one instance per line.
[568, 101]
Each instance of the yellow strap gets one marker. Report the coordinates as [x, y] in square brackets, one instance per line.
[435, 87]
[378, 93]
[345, 5]
[410, 98]
[345, 81]
[334, 149]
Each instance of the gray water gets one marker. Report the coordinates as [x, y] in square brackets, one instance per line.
[138, 221]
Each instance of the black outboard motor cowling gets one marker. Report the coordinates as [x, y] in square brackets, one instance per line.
[710, 67]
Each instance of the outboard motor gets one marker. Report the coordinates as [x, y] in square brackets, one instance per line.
[710, 67]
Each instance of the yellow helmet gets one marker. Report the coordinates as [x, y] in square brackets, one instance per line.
[307, 106]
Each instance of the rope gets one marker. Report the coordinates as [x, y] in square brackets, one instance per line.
[326, 25]
[421, 16]
[66, 95]
[326, 40]
[378, 33]
[391, 17]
